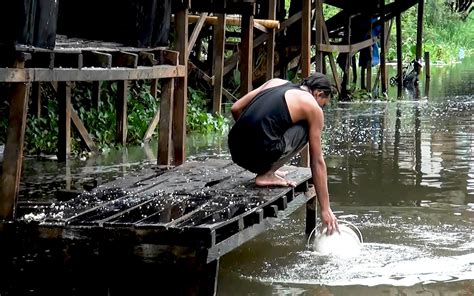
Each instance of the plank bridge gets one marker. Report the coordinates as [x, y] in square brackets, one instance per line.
[159, 224]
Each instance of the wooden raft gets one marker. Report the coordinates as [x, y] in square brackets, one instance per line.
[188, 216]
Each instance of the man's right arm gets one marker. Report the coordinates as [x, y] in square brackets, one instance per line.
[318, 166]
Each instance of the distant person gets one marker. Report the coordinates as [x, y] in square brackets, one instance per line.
[273, 123]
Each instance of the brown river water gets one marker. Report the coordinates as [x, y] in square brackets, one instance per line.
[401, 170]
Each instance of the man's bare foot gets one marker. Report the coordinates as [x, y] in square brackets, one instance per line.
[281, 173]
[273, 180]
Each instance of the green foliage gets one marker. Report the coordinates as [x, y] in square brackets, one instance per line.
[444, 33]
[41, 134]
[197, 119]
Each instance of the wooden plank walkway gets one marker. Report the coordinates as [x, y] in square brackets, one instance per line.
[205, 208]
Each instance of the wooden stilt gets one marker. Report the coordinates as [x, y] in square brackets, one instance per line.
[383, 50]
[218, 65]
[121, 107]
[13, 154]
[96, 94]
[306, 59]
[319, 29]
[64, 124]
[36, 99]
[181, 91]
[166, 122]
[419, 32]
[271, 41]
[246, 54]
[427, 74]
[398, 23]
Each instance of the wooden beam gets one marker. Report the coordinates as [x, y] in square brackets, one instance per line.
[181, 91]
[156, 118]
[236, 21]
[166, 122]
[13, 154]
[121, 107]
[90, 74]
[351, 48]
[218, 65]
[330, 56]
[83, 133]
[427, 73]
[64, 122]
[246, 55]
[271, 41]
[197, 29]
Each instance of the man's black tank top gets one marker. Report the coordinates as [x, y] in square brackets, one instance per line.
[262, 124]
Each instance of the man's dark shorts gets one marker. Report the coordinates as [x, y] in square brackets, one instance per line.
[259, 159]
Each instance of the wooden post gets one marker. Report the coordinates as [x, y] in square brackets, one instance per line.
[306, 57]
[121, 107]
[398, 21]
[383, 49]
[166, 122]
[246, 54]
[427, 74]
[218, 65]
[181, 91]
[36, 99]
[419, 32]
[369, 74]
[319, 30]
[64, 122]
[271, 41]
[13, 154]
[311, 209]
[96, 94]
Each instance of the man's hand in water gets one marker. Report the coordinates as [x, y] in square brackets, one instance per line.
[329, 220]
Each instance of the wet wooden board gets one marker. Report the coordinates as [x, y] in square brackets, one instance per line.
[211, 205]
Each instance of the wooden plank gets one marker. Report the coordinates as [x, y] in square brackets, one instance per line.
[146, 58]
[90, 74]
[383, 50]
[124, 59]
[121, 107]
[197, 29]
[83, 133]
[13, 153]
[168, 57]
[97, 59]
[152, 126]
[68, 60]
[427, 73]
[218, 64]
[165, 114]
[64, 122]
[181, 91]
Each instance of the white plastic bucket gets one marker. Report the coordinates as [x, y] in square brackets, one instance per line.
[345, 243]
